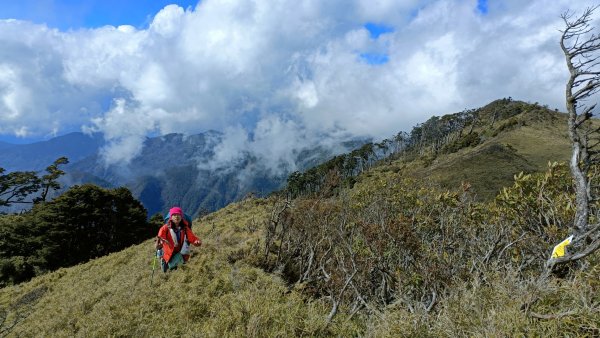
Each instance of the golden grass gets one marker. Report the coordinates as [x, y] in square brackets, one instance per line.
[474, 167]
[539, 144]
[492, 306]
[213, 296]
[208, 297]
[493, 163]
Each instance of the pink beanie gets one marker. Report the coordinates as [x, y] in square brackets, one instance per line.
[175, 210]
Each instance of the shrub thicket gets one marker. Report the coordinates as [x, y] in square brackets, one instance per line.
[395, 241]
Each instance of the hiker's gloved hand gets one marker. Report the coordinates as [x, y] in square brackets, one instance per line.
[158, 243]
[197, 242]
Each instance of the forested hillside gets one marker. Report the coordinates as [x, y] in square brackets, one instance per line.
[431, 233]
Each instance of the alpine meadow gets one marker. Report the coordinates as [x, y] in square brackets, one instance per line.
[480, 223]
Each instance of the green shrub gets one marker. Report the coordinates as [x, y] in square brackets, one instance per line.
[468, 140]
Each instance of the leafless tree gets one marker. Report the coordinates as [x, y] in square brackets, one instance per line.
[581, 47]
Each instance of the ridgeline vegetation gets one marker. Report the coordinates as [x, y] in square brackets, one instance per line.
[440, 145]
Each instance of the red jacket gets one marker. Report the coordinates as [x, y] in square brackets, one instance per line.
[168, 244]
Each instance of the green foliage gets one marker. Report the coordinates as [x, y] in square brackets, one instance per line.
[49, 181]
[426, 262]
[16, 186]
[111, 296]
[157, 220]
[87, 222]
[83, 223]
[505, 126]
[469, 140]
[447, 135]
[16, 269]
[393, 240]
[389, 239]
[541, 207]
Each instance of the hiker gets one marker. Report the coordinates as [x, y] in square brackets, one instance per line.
[173, 240]
[186, 218]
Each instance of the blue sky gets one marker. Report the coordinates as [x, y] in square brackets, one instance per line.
[375, 31]
[482, 6]
[79, 14]
[74, 14]
[275, 76]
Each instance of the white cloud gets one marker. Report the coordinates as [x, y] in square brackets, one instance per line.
[167, 22]
[278, 72]
[125, 127]
[22, 132]
[306, 92]
[230, 150]
[14, 93]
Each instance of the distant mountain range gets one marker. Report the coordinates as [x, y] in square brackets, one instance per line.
[166, 172]
[39, 155]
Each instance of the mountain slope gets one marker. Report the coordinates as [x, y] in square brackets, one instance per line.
[474, 167]
[172, 169]
[211, 296]
[220, 293]
[527, 139]
[39, 155]
[180, 170]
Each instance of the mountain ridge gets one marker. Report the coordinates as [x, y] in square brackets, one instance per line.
[523, 140]
[167, 171]
[223, 291]
[38, 155]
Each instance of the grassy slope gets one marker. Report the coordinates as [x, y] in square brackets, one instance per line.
[211, 296]
[492, 164]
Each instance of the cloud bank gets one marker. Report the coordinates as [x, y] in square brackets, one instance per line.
[278, 76]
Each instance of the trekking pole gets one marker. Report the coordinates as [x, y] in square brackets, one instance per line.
[153, 267]
[154, 261]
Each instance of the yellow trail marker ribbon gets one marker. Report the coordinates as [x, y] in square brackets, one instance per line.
[559, 249]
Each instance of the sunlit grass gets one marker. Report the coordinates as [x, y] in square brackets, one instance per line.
[112, 296]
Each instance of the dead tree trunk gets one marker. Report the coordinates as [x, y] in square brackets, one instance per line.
[581, 47]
